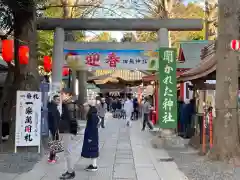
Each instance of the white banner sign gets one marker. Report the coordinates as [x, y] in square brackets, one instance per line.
[28, 119]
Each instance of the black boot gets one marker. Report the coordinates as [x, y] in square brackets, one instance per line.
[68, 175]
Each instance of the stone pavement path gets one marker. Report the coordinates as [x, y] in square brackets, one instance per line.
[125, 154]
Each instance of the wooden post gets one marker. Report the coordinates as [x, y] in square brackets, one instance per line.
[204, 133]
[210, 128]
[156, 102]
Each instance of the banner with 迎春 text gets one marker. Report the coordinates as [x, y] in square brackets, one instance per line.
[111, 59]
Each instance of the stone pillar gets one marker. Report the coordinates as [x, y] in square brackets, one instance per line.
[58, 56]
[163, 36]
[58, 62]
[82, 83]
[73, 82]
[82, 90]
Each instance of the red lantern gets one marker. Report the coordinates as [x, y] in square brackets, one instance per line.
[47, 63]
[48, 67]
[7, 50]
[65, 71]
[23, 53]
[235, 45]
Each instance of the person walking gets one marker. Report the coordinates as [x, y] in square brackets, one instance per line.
[90, 148]
[53, 123]
[114, 105]
[135, 109]
[146, 108]
[102, 109]
[119, 108]
[128, 108]
[107, 100]
[67, 128]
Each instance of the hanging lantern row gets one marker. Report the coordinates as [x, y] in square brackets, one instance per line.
[47, 64]
[8, 52]
[23, 54]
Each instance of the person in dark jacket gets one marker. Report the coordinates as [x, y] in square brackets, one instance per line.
[187, 112]
[67, 129]
[114, 105]
[180, 105]
[135, 109]
[119, 104]
[191, 112]
[90, 148]
[53, 123]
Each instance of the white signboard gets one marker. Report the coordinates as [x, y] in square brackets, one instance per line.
[28, 119]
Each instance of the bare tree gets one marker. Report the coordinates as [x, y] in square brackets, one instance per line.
[211, 19]
[226, 125]
[161, 9]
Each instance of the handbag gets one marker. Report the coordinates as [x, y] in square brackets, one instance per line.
[56, 146]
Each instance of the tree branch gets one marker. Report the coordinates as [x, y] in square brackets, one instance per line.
[81, 6]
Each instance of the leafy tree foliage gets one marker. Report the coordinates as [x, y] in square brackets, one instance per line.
[103, 37]
[6, 20]
[128, 37]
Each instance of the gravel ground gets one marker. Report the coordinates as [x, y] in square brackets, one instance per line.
[198, 167]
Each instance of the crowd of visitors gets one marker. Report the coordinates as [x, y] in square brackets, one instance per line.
[63, 126]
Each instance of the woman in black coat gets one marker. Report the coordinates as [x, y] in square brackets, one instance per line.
[53, 123]
[90, 147]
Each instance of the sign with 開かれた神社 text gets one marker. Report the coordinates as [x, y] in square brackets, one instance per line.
[28, 119]
[168, 88]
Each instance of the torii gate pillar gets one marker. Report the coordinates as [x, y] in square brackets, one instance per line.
[58, 60]
[163, 36]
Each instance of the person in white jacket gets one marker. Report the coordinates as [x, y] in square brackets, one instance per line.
[128, 108]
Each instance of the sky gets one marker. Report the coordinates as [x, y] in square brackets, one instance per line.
[119, 13]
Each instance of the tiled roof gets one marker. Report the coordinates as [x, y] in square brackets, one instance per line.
[190, 53]
[126, 75]
[206, 66]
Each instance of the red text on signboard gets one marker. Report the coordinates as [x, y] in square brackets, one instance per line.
[93, 59]
[112, 60]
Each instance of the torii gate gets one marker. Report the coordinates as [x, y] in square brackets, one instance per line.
[162, 26]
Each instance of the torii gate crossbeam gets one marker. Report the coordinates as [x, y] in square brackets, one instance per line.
[120, 24]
